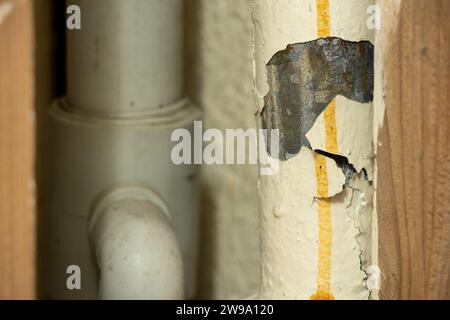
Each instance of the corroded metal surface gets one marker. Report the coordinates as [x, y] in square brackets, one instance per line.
[305, 77]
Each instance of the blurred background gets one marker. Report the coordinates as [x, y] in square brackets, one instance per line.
[218, 78]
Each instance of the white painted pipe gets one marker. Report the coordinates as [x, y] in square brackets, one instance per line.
[136, 247]
[127, 59]
[124, 101]
[313, 248]
[90, 155]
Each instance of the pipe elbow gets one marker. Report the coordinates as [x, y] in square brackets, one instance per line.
[136, 247]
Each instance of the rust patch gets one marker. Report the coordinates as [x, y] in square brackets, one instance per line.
[305, 77]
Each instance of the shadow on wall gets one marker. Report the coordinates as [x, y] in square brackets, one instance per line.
[50, 80]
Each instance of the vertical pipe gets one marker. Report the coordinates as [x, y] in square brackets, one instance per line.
[316, 212]
[114, 128]
[127, 58]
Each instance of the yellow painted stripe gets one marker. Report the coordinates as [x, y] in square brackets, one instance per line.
[323, 18]
[324, 206]
[325, 232]
[330, 128]
[325, 242]
[321, 174]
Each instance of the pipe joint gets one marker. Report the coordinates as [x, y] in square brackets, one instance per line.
[137, 250]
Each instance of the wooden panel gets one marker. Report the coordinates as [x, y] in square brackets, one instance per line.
[17, 214]
[414, 158]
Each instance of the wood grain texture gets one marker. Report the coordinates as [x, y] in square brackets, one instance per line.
[17, 214]
[413, 155]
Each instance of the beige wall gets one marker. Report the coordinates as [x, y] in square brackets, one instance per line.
[219, 80]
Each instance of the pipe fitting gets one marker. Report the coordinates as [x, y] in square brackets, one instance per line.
[136, 247]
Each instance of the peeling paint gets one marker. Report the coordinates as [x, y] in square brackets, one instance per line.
[316, 248]
[348, 246]
[352, 233]
[360, 211]
[355, 119]
[342, 162]
[5, 10]
[303, 80]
